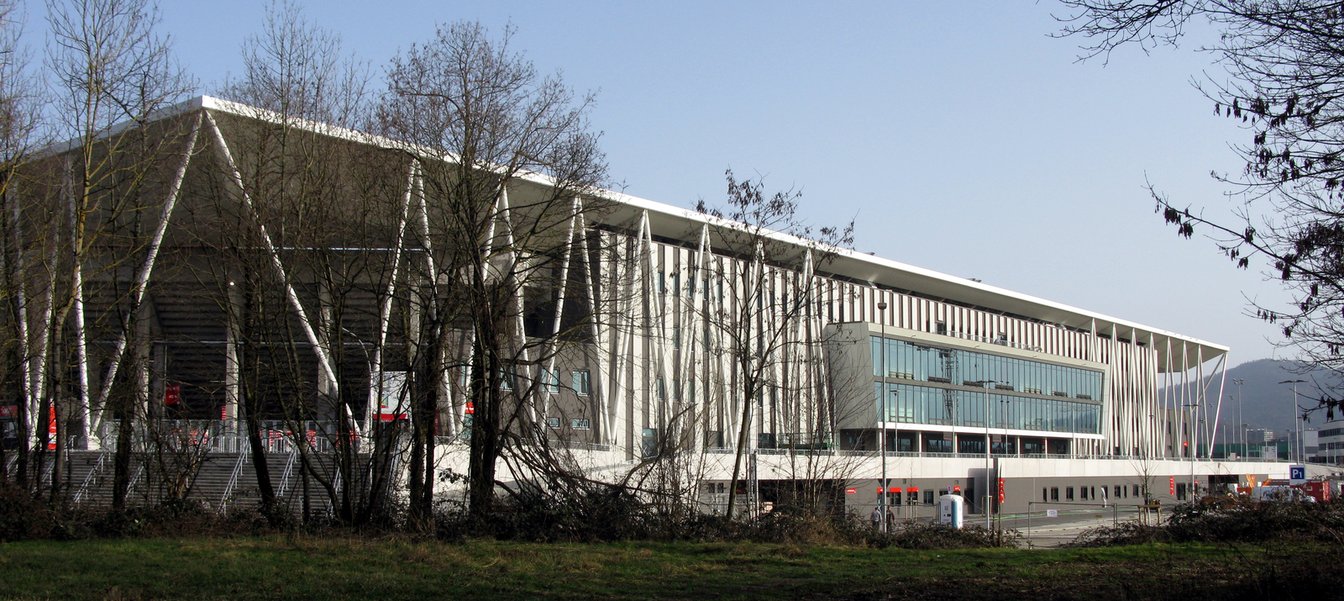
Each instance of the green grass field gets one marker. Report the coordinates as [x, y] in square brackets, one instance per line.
[389, 569]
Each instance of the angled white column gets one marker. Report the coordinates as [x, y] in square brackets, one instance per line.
[376, 391]
[77, 305]
[95, 412]
[318, 344]
[540, 395]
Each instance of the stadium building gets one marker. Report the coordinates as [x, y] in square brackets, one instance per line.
[646, 332]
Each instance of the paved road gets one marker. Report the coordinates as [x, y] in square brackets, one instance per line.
[1041, 530]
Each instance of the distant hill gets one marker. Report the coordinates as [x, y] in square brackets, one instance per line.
[1265, 402]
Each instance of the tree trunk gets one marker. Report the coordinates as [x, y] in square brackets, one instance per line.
[485, 423]
[260, 466]
[743, 428]
[424, 406]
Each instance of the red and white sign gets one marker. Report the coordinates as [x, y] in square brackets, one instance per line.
[393, 404]
[850, 491]
[9, 411]
[51, 430]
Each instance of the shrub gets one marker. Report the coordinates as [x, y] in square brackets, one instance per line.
[931, 535]
[1229, 519]
[1124, 533]
[23, 516]
[1241, 519]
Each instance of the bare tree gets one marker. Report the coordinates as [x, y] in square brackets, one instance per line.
[107, 69]
[479, 120]
[1282, 71]
[764, 322]
[301, 183]
[18, 127]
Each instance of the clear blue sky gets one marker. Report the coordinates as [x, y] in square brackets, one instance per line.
[961, 137]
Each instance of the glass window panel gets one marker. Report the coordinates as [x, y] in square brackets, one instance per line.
[875, 347]
[877, 400]
[893, 352]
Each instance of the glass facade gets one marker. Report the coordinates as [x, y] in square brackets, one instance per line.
[920, 384]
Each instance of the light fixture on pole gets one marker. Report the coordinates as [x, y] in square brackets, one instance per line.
[1292, 446]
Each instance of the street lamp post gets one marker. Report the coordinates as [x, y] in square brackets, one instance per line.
[1241, 437]
[988, 499]
[1193, 445]
[988, 505]
[882, 419]
[1292, 446]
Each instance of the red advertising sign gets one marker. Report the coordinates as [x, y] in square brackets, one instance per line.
[1172, 484]
[1000, 490]
[9, 411]
[850, 491]
[172, 395]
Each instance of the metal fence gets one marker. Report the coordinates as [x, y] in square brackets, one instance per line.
[1051, 523]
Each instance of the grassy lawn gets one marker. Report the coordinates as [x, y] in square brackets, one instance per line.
[388, 569]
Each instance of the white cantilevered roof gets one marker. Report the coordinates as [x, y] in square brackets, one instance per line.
[680, 223]
[860, 267]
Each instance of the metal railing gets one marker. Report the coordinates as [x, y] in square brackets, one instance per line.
[285, 478]
[89, 478]
[233, 482]
[277, 436]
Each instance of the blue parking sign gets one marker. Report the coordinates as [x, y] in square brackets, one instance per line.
[1297, 474]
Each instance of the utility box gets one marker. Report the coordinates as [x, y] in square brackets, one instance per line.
[951, 510]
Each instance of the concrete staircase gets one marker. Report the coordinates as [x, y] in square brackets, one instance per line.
[221, 481]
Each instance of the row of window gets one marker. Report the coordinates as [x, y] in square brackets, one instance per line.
[1091, 493]
[915, 404]
[911, 497]
[676, 288]
[579, 380]
[901, 359]
[975, 445]
[578, 423]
